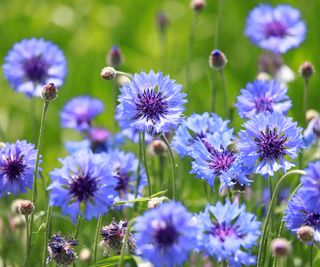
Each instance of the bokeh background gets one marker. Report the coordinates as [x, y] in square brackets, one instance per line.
[86, 29]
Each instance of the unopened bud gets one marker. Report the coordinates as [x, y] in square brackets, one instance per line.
[85, 255]
[156, 202]
[15, 205]
[311, 114]
[108, 73]
[280, 247]
[17, 222]
[162, 21]
[217, 59]
[26, 207]
[114, 57]
[306, 233]
[157, 147]
[198, 5]
[306, 70]
[49, 92]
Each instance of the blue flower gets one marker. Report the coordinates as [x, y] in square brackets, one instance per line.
[79, 112]
[124, 168]
[196, 126]
[300, 212]
[32, 63]
[17, 164]
[166, 234]
[227, 232]
[261, 96]
[213, 158]
[84, 180]
[312, 133]
[151, 103]
[270, 142]
[277, 29]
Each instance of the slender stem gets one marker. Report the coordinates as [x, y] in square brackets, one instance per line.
[161, 170]
[46, 235]
[224, 91]
[96, 239]
[271, 194]
[144, 159]
[174, 167]
[76, 230]
[311, 255]
[35, 176]
[139, 166]
[214, 90]
[305, 95]
[128, 75]
[262, 246]
[218, 23]
[27, 229]
[125, 243]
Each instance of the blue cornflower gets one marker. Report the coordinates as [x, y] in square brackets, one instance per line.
[84, 180]
[261, 96]
[213, 158]
[276, 29]
[151, 103]
[79, 112]
[270, 142]
[312, 132]
[166, 234]
[227, 232]
[17, 164]
[124, 170]
[194, 127]
[32, 63]
[301, 212]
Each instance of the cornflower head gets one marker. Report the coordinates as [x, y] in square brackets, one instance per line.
[33, 63]
[269, 142]
[82, 186]
[214, 157]
[227, 232]
[78, 113]
[277, 29]
[166, 234]
[261, 96]
[17, 164]
[194, 127]
[151, 103]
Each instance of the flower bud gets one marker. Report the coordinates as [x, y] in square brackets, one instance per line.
[157, 147]
[162, 21]
[49, 92]
[15, 206]
[306, 233]
[156, 202]
[311, 114]
[306, 70]
[85, 255]
[26, 207]
[17, 222]
[280, 247]
[108, 73]
[198, 5]
[217, 59]
[114, 57]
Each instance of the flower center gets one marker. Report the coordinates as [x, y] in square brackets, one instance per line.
[271, 145]
[123, 182]
[275, 29]
[83, 188]
[166, 234]
[36, 69]
[263, 104]
[151, 105]
[223, 231]
[14, 169]
[313, 219]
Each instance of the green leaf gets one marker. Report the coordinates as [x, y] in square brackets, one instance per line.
[114, 260]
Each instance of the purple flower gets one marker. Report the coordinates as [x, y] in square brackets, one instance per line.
[277, 29]
[270, 142]
[32, 63]
[194, 127]
[166, 234]
[227, 232]
[151, 103]
[84, 180]
[79, 112]
[17, 164]
[261, 96]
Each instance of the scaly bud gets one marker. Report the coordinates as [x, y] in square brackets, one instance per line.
[306, 70]
[114, 57]
[108, 73]
[198, 5]
[26, 207]
[49, 92]
[217, 59]
[280, 247]
[306, 233]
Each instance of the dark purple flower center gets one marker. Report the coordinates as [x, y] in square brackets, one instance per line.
[263, 104]
[313, 219]
[166, 235]
[123, 182]
[36, 69]
[223, 231]
[275, 29]
[271, 145]
[151, 105]
[14, 169]
[83, 188]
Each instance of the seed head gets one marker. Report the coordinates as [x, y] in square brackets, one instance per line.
[217, 59]
[108, 73]
[280, 247]
[306, 70]
[49, 92]
[306, 233]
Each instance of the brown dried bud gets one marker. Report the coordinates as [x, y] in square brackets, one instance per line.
[280, 247]
[26, 207]
[306, 70]
[49, 92]
[306, 233]
[108, 73]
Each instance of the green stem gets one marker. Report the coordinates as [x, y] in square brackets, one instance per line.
[76, 230]
[263, 240]
[125, 243]
[311, 256]
[224, 91]
[218, 23]
[305, 95]
[128, 75]
[139, 167]
[96, 239]
[214, 90]
[271, 194]
[35, 176]
[46, 235]
[144, 159]
[161, 170]
[174, 167]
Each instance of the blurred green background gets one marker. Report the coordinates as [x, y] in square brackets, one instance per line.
[85, 30]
